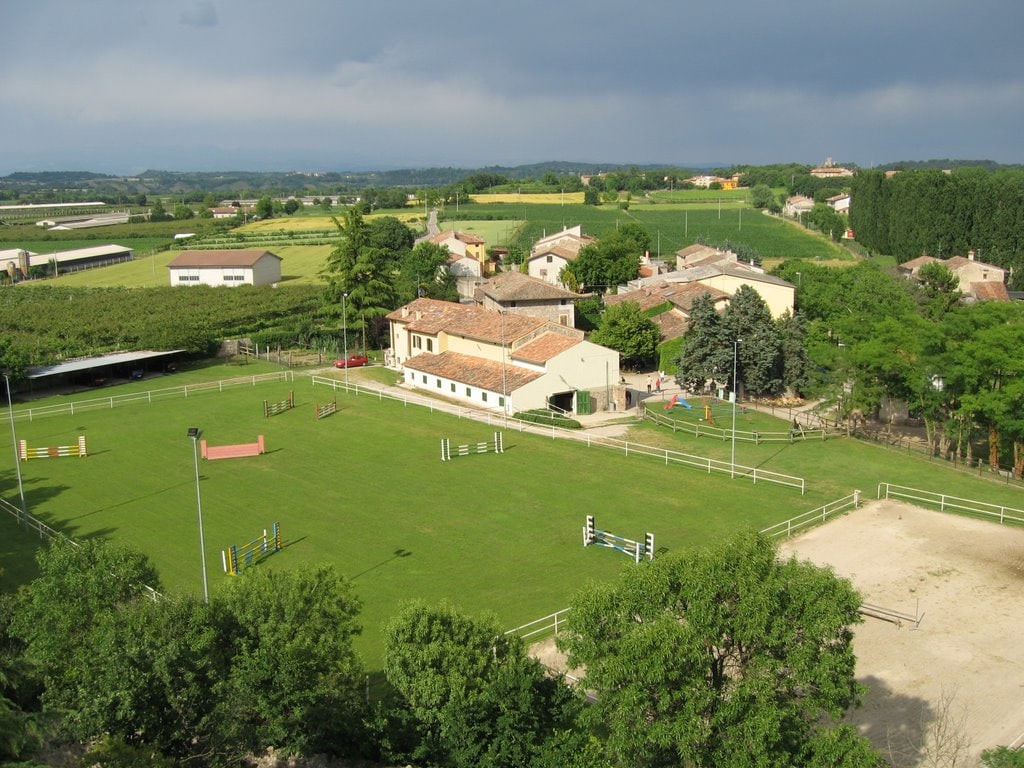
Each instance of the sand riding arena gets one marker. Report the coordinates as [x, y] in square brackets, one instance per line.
[955, 678]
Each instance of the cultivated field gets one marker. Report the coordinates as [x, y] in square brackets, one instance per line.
[965, 577]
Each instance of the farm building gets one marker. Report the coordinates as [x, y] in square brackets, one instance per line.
[494, 359]
[246, 266]
[59, 262]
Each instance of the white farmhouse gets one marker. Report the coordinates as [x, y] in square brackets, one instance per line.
[490, 359]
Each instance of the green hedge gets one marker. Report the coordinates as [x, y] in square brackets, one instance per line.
[540, 416]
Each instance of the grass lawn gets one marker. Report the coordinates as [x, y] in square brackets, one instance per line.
[365, 490]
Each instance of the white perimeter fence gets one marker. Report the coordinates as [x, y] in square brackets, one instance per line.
[552, 623]
[493, 419]
[114, 401]
[947, 503]
[46, 532]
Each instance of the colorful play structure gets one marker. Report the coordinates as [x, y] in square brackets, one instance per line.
[272, 409]
[234, 559]
[677, 401]
[496, 445]
[52, 451]
[214, 452]
[637, 550]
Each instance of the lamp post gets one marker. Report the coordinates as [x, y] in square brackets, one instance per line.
[14, 443]
[194, 433]
[799, 280]
[735, 396]
[504, 386]
[344, 333]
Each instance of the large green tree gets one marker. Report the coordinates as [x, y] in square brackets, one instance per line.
[292, 678]
[624, 327]
[362, 269]
[478, 700]
[726, 656]
[704, 356]
[611, 261]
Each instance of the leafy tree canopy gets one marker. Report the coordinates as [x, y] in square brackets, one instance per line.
[624, 327]
[726, 656]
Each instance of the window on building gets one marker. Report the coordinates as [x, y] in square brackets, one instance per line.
[453, 386]
[469, 392]
[483, 396]
[430, 345]
[501, 402]
[438, 383]
[424, 378]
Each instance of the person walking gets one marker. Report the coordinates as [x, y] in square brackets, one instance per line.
[648, 383]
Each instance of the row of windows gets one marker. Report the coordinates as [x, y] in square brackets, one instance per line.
[469, 390]
[417, 343]
[183, 278]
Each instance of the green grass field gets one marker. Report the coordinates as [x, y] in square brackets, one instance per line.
[672, 224]
[365, 490]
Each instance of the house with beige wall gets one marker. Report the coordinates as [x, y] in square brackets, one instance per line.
[551, 253]
[977, 280]
[495, 359]
[726, 278]
[516, 293]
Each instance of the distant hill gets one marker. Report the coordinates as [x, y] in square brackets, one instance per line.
[158, 182]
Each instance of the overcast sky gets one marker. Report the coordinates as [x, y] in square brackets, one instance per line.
[118, 86]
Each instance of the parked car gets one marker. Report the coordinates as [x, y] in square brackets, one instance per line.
[352, 361]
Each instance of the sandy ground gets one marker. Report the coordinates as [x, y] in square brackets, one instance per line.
[962, 665]
[966, 579]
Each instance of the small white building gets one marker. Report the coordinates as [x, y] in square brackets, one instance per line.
[246, 266]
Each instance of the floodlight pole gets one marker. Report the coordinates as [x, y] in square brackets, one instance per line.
[194, 433]
[17, 456]
[735, 397]
[504, 387]
[344, 331]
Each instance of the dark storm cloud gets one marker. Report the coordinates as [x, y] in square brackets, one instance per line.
[326, 84]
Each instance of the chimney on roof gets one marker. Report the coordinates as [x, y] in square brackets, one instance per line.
[405, 312]
[970, 255]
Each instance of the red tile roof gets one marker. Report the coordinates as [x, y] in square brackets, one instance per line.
[990, 291]
[431, 316]
[464, 237]
[473, 371]
[515, 286]
[545, 347]
[240, 257]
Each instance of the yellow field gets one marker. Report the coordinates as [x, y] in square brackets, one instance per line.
[307, 223]
[551, 198]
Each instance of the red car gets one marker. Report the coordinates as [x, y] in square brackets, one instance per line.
[352, 361]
